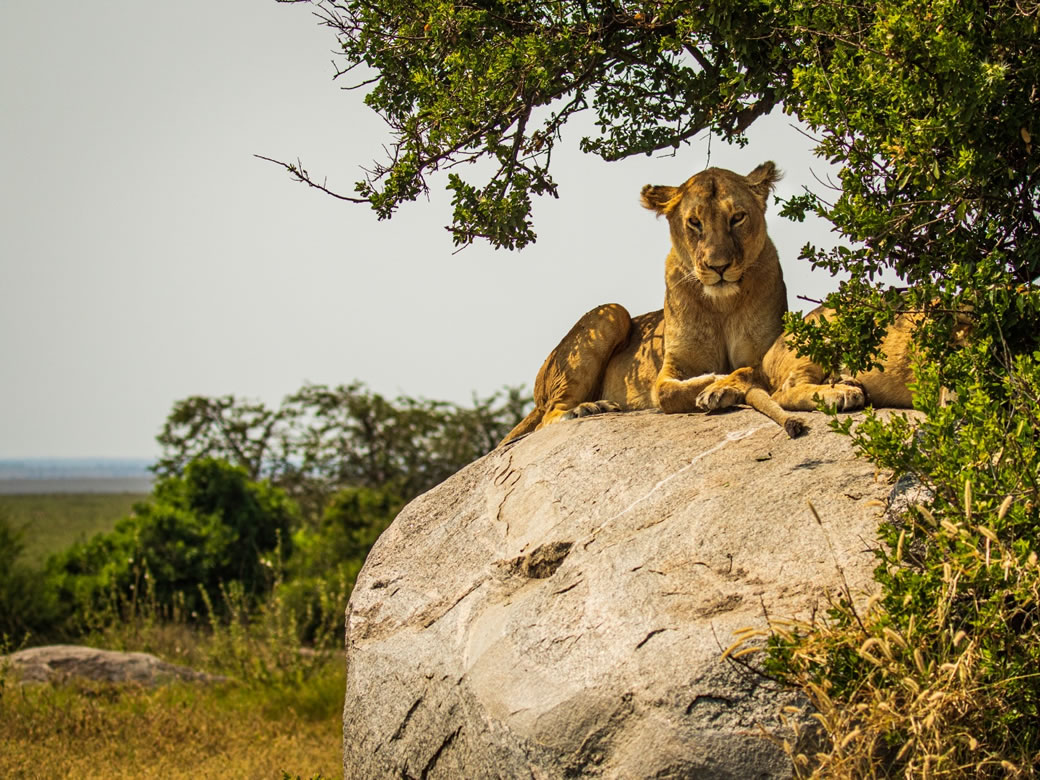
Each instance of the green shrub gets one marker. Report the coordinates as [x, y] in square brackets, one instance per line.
[938, 676]
[28, 608]
[211, 527]
[350, 525]
[326, 560]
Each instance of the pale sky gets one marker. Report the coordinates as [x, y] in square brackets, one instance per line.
[146, 255]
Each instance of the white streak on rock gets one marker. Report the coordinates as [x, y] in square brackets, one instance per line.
[731, 437]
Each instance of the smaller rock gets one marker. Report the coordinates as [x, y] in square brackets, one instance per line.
[58, 663]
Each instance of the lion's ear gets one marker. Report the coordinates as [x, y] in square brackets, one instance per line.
[659, 198]
[762, 180]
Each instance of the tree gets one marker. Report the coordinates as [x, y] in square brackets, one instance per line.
[347, 457]
[930, 108]
[323, 439]
[913, 96]
[457, 82]
[244, 433]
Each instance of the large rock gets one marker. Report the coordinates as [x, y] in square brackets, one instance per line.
[560, 607]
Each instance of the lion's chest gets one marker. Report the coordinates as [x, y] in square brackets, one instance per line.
[744, 345]
[716, 344]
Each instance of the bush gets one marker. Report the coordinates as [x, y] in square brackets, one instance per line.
[209, 528]
[937, 677]
[353, 520]
[326, 560]
[28, 608]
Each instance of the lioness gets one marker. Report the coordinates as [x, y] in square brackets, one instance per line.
[723, 308]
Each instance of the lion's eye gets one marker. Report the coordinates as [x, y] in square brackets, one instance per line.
[694, 224]
[737, 218]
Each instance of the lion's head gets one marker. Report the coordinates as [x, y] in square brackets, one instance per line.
[718, 226]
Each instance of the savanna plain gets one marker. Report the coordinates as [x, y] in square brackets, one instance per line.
[277, 715]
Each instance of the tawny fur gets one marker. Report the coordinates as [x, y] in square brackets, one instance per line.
[723, 308]
[786, 382]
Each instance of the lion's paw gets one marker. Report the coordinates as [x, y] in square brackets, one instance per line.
[718, 396]
[846, 397]
[589, 408]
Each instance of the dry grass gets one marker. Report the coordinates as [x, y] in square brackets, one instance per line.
[281, 712]
[281, 715]
[950, 694]
[913, 717]
[90, 730]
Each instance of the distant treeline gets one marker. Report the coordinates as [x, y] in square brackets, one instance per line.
[322, 439]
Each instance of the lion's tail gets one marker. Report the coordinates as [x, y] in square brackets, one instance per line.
[761, 401]
[525, 426]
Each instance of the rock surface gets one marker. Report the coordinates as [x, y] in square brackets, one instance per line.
[56, 663]
[560, 607]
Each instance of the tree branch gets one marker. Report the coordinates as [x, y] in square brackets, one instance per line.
[301, 175]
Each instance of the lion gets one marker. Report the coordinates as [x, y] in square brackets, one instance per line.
[724, 304]
[785, 382]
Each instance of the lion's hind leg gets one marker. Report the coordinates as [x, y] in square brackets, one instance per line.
[589, 408]
[571, 377]
[845, 396]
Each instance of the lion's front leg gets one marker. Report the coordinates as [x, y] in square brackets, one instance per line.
[726, 392]
[747, 385]
[675, 394]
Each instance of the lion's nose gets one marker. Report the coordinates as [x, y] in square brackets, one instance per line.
[721, 268]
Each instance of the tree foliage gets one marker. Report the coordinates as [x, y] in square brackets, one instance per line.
[928, 103]
[200, 531]
[457, 82]
[929, 108]
[27, 606]
[321, 440]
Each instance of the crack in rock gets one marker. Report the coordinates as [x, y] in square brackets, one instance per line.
[440, 750]
[541, 563]
[404, 721]
[648, 637]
